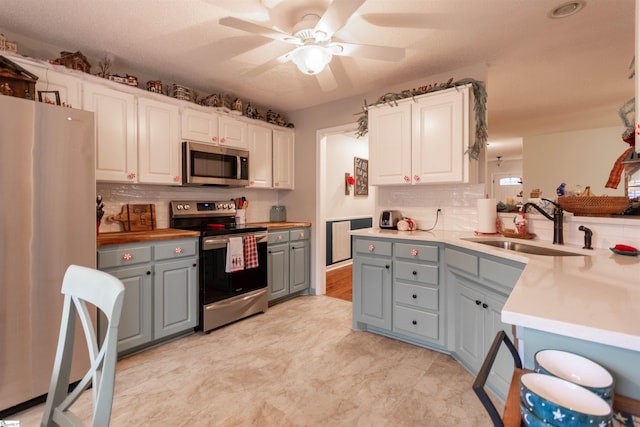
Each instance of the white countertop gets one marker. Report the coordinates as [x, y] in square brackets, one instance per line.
[595, 297]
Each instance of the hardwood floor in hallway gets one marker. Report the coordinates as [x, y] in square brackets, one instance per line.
[339, 283]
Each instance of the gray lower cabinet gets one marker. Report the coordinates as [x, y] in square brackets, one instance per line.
[396, 289]
[288, 263]
[160, 280]
[479, 286]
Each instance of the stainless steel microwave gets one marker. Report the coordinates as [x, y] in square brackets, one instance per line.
[207, 164]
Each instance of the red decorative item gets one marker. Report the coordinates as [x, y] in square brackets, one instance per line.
[351, 180]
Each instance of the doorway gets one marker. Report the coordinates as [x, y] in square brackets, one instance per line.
[336, 149]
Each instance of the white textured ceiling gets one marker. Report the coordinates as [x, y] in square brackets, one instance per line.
[545, 75]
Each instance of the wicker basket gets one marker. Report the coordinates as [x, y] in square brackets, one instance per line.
[594, 205]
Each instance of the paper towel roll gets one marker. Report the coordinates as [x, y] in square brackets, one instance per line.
[487, 216]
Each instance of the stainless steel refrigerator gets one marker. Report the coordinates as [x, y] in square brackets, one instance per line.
[47, 221]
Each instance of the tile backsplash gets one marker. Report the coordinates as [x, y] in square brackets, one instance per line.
[116, 195]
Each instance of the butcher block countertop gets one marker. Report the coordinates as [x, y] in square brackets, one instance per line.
[123, 237]
[279, 225]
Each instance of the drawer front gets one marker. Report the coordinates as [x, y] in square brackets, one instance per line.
[421, 297]
[175, 249]
[417, 252]
[299, 234]
[373, 247]
[415, 322]
[278, 237]
[416, 272]
[462, 261]
[123, 256]
[499, 273]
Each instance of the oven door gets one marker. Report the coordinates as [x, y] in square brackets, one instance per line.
[215, 283]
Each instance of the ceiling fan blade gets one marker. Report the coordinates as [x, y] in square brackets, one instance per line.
[383, 53]
[327, 80]
[268, 65]
[250, 27]
[336, 16]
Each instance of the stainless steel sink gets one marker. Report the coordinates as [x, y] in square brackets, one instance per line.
[524, 248]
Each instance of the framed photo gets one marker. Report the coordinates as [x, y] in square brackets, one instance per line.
[49, 96]
[361, 168]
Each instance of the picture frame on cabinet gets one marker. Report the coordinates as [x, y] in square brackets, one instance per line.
[43, 96]
[361, 168]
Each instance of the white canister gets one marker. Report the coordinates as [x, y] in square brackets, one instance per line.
[241, 216]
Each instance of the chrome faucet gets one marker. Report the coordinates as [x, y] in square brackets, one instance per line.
[557, 219]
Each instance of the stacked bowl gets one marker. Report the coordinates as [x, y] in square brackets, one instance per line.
[566, 390]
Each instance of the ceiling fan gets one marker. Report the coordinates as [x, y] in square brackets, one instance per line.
[314, 45]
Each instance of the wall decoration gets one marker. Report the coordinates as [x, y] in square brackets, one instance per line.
[348, 182]
[49, 96]
[480, 108]
[361, 168]
[75, 61]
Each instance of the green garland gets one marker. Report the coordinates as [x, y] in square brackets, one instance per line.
[480, 109]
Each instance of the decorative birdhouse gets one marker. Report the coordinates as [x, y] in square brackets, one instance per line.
[16, 81]
[75, 61]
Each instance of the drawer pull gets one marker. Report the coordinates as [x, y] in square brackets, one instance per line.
[414, 252]
[485, 305]
[178, 250]
[415, 273]
[478, 302]
[386, 266]
[414, 296]
[302, 234]
[127, 256]
[280, 237]
[415, 322]
[371, 248]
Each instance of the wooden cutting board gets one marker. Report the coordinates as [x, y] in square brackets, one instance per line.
[136, 217]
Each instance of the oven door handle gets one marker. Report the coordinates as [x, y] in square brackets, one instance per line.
[221, 242]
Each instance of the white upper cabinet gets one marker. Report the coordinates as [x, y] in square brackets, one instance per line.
[232, 133]
[159, 152]
[199, 126]
[115, 133]
[421, 142]
[260, 157]
[214, 128]
[283, 160]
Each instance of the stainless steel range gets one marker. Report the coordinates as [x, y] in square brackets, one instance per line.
[224, 296]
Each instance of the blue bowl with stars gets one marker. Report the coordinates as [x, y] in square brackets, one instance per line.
[529, 419]
[558, 402]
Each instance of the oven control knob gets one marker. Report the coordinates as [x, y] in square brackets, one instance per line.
[219, 206]
[179, 207]
[187, 207]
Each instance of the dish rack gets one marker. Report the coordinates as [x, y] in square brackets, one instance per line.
[511, 416]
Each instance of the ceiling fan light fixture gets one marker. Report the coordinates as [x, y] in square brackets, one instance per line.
[311, 59]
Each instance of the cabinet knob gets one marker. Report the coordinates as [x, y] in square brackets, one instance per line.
[371, 248]
[214, 139]
[485, 305]
[178, 250]
[415, 322]
[269, 251]
[414, 296]
[302, 234]
[127, 256]
[414, 252]
[478, 302]
[416, 178]
[148, 273]
[176, 178]
[279, 237]
[223, 139]
[195, 265]
[386, 266]
[132, 175]
[415, 273]
[406, 178]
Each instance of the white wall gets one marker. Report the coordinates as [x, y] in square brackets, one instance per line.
[582, 158]
[341, 149]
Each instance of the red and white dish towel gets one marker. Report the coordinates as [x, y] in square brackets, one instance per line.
[235, 256]
[250, 252]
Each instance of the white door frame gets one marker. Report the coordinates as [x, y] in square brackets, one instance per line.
[321, 214]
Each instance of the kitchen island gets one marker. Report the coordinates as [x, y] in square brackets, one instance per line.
[589, 304]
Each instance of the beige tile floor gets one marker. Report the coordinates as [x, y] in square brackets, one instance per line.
[299, 364]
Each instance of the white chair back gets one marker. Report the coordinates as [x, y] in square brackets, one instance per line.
[83, 285]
